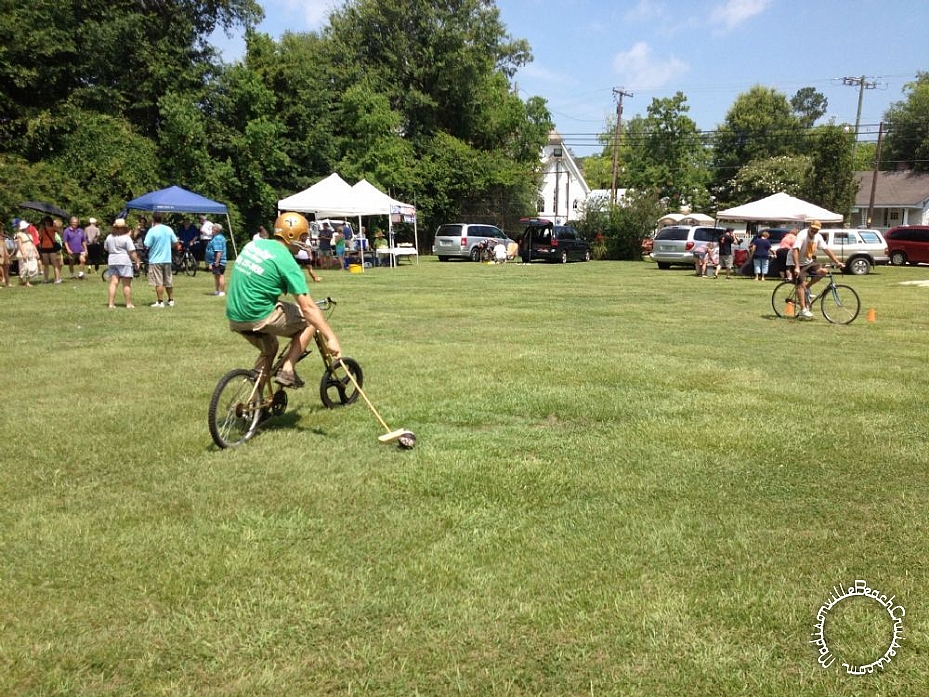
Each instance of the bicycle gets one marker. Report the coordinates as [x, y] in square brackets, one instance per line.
[839, 303]
[184, 262]
[244, 398]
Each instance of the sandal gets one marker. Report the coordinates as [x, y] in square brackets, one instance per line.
[287, 378]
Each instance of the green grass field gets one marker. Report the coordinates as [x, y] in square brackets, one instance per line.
[627, 482]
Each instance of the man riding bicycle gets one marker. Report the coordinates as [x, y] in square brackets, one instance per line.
[806, 270]
[265, 270]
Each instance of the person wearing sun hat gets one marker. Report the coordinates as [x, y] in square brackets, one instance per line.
[122, 261]
[379, 243]
[28, 255]
[806, 270]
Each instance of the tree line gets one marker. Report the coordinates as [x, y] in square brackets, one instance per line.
[103, 100]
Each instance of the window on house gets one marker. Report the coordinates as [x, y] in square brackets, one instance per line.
[541, 205]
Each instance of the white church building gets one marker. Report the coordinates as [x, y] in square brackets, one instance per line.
[563, 191]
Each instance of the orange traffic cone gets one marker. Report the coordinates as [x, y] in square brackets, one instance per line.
[789, 310]
[872, 315]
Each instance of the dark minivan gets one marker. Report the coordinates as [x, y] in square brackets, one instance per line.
[542, 239]
[908, 244]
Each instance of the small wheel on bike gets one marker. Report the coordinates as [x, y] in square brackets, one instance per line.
[189, 265]
[840, 304]
[278, 403]
[785, 295]
[336, 388]
[235, 408]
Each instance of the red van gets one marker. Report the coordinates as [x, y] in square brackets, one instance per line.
[908, 244]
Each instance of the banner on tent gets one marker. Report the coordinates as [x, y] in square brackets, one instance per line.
[402, 214]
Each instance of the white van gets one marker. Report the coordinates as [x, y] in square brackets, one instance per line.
[461, 240]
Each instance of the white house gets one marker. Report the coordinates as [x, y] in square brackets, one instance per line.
[899, 198]
[563, 191]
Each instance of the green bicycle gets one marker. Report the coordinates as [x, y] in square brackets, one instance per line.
[839, 303]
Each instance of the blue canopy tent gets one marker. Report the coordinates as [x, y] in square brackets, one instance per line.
[174, 199]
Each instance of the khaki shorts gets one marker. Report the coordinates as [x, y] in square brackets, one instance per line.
[160, 275]
[285, 320]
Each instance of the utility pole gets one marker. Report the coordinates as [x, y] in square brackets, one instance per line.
[862, 83]
[877, 164]
[617, 93]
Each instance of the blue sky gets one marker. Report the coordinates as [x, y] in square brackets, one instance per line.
[711, 50]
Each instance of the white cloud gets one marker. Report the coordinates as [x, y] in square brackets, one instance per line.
[645, 10]
[640, 68]
[732, 13]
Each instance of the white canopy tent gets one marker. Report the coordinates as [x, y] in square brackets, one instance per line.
[779, 207]
[335, 199]
[324, 193]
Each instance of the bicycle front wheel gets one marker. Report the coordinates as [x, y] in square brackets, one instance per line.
[235, 408]
[336, 388]
[189, 265]
[785, 295]
[840, 304]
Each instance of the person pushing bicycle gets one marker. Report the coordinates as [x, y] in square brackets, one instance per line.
[265, 270]
[806, 270]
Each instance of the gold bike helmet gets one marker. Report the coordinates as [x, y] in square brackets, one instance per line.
[290, 226]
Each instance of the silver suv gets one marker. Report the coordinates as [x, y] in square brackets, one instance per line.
[461, 240]
[675, 244]
[859, 250]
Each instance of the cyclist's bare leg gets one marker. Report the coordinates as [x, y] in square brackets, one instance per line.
[298, 344]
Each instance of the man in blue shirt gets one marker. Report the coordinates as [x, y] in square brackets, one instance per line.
[160, 240]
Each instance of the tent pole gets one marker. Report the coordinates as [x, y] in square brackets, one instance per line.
[235, 253]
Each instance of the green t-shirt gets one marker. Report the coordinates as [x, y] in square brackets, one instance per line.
[264, 271]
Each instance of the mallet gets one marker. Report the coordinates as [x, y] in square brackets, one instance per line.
[405, 439]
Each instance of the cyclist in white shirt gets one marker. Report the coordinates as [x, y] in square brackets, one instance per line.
[806, 270]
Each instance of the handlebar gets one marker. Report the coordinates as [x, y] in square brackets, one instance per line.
[326, 303]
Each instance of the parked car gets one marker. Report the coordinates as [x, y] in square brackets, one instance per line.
[675, 244]
[859, 250]
[461, 240]
[908, 244]
[542, 239]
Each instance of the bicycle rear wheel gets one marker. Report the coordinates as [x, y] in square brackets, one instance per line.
[235, 408]
[840, 304]
[785, 293]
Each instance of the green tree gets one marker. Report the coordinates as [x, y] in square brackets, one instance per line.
[907, 123]
[664, 152]
[760, 178]
[445, 70]
[809, 106]
[618, 230]
[297, 72]
[831, 180]
[116, 56]
[759, 125]
[431, 59]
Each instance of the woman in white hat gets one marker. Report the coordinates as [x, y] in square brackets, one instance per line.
[122, 261]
